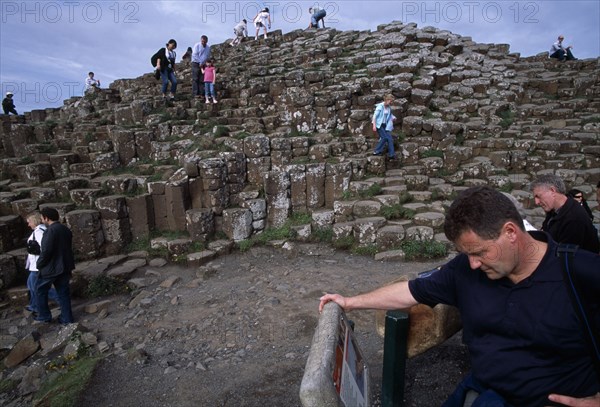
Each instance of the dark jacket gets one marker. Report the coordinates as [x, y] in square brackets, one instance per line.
[164, 61]
[57, 251]
[8, 105]
[571, 224]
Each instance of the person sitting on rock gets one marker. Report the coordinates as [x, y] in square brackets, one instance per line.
[8, 105]
[91, 83]
[316, 15]
[561, 53]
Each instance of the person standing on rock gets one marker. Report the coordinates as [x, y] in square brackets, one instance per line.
[262, 20]
[525, 340]
[559, 52]
[34, 221]
[566, 221]
[240, 31]
[165, 64]
[381, 123]
[8, 105]
[55, 264]
[210, 77]
[200, 54]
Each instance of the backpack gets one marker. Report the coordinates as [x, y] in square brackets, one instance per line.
[154, 59]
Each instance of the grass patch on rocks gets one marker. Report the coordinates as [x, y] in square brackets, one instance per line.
[65, 385]
[101, 286]
[416, 250]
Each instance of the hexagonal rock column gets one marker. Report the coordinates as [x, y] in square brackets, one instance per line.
[115, 222]
[88, 237]
[277, 190]
[200, 224]
[237, 223]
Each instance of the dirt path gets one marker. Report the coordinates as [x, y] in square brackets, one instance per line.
[237, 332]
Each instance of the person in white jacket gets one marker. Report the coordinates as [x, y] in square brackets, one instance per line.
[34, 221]
[240, 31]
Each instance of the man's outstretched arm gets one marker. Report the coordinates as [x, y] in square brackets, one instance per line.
[394, 296]
[592, 401]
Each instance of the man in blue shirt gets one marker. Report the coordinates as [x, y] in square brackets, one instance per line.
[200, 54]
[526, 344]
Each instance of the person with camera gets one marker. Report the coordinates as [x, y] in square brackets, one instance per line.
[55, 264]
[34, 221]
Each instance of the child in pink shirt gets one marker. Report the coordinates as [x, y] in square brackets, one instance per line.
[210, 77]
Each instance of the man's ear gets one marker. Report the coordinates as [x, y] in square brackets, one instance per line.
[510, 229]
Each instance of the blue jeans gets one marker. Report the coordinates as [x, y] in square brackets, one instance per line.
[209, 89]
[61, 283]
[486, 398]
[166, 76]
[31, 283]
[385, 137]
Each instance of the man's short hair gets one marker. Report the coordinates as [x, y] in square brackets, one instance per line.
[548, 181]
[482, 210]
[204, 37]
[90, 73]
[50, 213]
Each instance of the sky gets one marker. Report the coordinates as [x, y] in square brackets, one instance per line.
[48, 47]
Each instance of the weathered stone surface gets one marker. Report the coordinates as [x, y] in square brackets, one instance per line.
[112, 207]
[22, 350]
[88, 237]
[127, 268]
[140, 211]
[200, 224]
[237, 223]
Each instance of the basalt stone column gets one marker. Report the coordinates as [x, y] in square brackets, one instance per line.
[141, 215]
[315, 185]
[298, 187]
[215, 195]
[88, 237]
[177, 200]
[337, 180]
[124, 144]
[8, 271]
[277, 190]
[159, 204]
[115, 222]
[5, 133]
[35, 173]
[258, 151]
[14, 230]
[236, 173]
[61, 163]
[200, 224]
[143, 144]
[20, 136]
[258, 207]
[281, 153]
[24, 207]
[237, 223]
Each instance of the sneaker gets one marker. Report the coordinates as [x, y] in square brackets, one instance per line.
[376, 153]
[214, 100]
[207, 101]
[394, 157]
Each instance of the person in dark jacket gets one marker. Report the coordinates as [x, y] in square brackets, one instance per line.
[8, 105]
[55, 264]
[577, 195]
[165, 64]
[566, 221]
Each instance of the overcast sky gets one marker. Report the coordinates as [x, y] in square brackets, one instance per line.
[48, 47]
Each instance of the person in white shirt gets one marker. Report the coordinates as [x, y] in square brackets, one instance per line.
[262, 19]
[90, 82]
[561, 53]
[240, 31]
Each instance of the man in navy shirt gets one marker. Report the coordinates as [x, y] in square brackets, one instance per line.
[526, 344]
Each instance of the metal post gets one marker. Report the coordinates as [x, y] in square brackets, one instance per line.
[394, 359]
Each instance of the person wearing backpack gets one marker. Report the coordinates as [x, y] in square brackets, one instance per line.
[164, 61]
[34, 221]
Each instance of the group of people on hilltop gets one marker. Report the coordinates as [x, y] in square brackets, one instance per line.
[203, 68]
